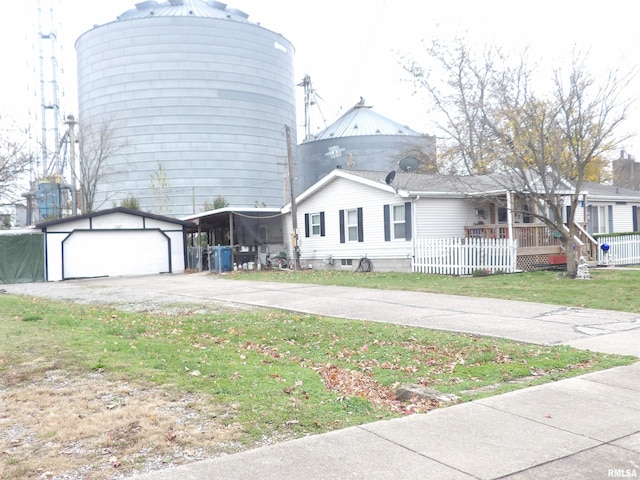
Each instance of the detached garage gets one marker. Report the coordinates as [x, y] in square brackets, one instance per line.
[114, 242]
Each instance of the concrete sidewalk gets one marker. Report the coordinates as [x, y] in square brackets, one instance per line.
[586, 427]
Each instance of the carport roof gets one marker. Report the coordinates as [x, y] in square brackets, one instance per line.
[223, 213]
[110, 211]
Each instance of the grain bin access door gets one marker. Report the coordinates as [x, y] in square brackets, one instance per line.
[104, 253]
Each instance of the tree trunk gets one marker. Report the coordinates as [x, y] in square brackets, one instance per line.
[572, 264]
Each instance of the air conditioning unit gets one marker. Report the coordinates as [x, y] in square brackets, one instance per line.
[479, 212]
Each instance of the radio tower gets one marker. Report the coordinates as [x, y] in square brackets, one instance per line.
[48, 197]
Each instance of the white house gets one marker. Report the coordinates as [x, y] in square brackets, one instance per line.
[348, 215]
[114, 242]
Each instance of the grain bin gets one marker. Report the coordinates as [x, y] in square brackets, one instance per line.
[362, 139]
[195, 99]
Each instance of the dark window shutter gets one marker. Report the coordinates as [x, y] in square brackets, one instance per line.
[306, 224]
[322, 224]
[634, 212]
[360, 226]
[568, 213]
[407, 221]
[387, 224]
[610, 208]
[341, 215]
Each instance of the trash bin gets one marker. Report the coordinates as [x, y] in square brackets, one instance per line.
[222, 258]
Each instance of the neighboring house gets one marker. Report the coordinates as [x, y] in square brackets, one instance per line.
[12, 215]
[114, 242]
[610, 209]
[348, 215]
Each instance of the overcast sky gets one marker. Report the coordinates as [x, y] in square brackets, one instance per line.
[352, 48]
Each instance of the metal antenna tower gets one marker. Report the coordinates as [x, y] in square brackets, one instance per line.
[50, 116]
[310, 99]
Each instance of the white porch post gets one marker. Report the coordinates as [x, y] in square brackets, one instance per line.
[513, 244]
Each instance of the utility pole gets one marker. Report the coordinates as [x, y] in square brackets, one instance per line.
[294, 212]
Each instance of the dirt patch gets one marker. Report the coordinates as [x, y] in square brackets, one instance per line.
[59, 424]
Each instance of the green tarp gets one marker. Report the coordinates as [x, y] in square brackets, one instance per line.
[22, 258]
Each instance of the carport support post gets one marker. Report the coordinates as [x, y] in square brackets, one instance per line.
[231, 239]
[200, 245]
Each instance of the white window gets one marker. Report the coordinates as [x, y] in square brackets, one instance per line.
[315, 223]
[399, 222]
[352, 225]
[599, 219]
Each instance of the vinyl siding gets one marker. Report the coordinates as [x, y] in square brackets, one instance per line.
[443, 217]
[343, 194]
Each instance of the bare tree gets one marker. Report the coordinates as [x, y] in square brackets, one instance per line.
[97, 147]
[161, 190]
[544, 145]
[15, 160]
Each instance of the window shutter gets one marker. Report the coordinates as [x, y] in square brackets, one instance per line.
[360, 225]
[634, 212]
[407, 221]
[306, 225]
[387, 224]
[322, 232]
[341, 215]
[568, 213]
[610, 209]
[590, 219]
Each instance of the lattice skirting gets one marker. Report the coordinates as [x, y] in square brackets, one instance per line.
[529, 262]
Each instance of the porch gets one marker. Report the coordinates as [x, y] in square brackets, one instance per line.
[537, 243]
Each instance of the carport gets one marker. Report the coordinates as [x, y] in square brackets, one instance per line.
[114, 242]
[252, 234]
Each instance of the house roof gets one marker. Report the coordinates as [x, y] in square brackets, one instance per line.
[110, 211]
[610, 192]
[409, 185]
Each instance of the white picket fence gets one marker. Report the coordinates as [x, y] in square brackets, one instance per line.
[623, 250]
[463, 256]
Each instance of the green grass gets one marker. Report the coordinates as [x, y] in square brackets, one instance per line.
[608, 289]
[266, 366]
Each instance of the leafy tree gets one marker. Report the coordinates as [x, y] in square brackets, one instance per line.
[543, 143]
[131, 202]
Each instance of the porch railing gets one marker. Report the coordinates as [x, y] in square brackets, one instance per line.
[532, 236]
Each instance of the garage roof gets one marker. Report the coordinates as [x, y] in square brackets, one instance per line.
[99, 213]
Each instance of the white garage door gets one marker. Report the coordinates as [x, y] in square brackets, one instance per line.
[98, 253]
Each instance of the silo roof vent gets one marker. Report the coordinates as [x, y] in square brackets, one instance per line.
[218, 5]
[176, 2]
[146, 5]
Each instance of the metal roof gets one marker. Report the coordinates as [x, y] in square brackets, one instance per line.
[184, 8]
[361, 120]
[110, 211]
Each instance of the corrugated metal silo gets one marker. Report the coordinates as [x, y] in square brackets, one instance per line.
[361, 139]
[191, 89]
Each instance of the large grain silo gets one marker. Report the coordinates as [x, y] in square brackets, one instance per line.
[193, 100]
[362, 139]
